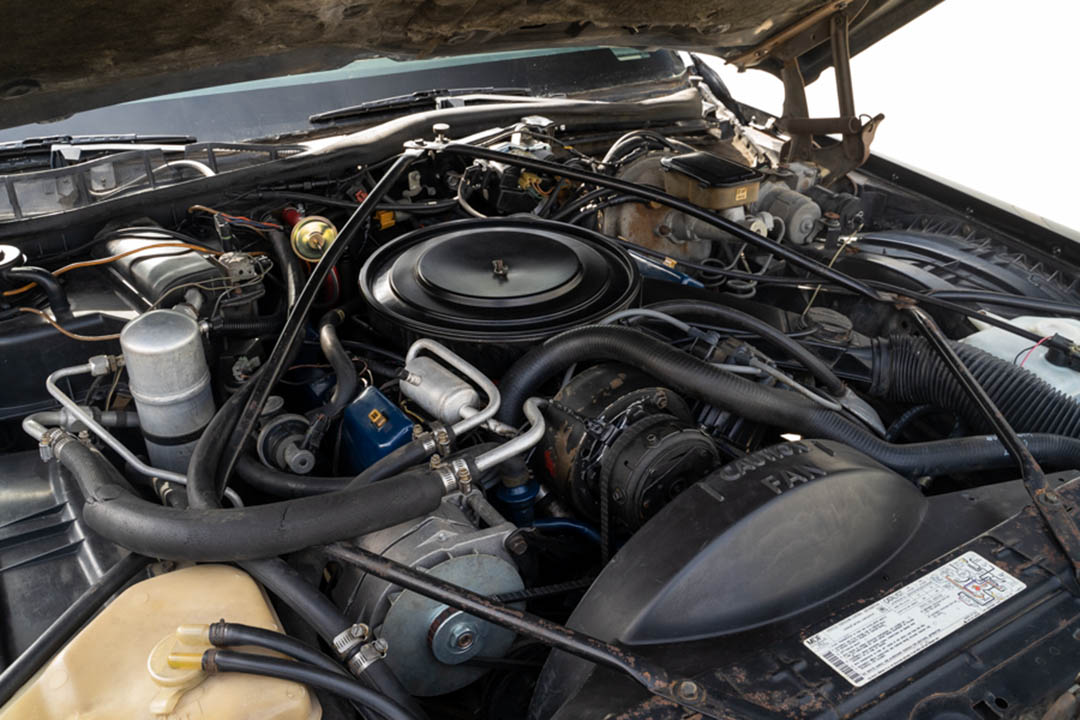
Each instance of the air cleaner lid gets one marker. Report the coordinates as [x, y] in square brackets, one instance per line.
[498, 280]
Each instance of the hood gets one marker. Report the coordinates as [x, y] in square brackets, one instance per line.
[64, 57]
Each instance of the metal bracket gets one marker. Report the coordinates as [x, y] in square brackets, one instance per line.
[830, 22]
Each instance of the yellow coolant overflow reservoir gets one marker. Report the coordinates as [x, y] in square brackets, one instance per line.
[117, 666]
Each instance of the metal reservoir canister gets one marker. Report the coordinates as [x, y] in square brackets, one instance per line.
[170, 383]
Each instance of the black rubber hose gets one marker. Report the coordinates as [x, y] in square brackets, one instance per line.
[283, 484]
[907, 370]
[234, 534]
[218, 661]
[745, 321]
[328, 621]
[340, 362]
[249, 328]
[49, 284]
[286, 485]
[289, 264]
[770, 406]
[203, 488]
[70, 621]
[298, 593]
[226, 634]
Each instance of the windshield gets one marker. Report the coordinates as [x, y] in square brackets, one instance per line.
[282, 105]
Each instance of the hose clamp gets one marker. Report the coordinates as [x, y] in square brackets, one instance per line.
[350, 637]
[462, 475]
[427, 441]
[441, 436]
[449, 479]
[368, 655]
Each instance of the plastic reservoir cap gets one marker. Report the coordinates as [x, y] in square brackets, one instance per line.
[104, 672]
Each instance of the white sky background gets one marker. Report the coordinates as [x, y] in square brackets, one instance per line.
[981, 92]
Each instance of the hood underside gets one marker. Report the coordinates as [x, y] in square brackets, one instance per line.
[67, 57]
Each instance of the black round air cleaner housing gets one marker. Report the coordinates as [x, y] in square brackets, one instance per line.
[497, 280]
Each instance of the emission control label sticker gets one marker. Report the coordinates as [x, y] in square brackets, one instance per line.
[901, 625]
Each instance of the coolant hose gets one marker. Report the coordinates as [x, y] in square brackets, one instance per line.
[340, 362]
[771, 406]
[218, 661]
[289, 263]
[745, 321]
[228, 535]
[228, 635]
[907, 370]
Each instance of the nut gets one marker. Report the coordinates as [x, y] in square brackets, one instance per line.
[100, 365]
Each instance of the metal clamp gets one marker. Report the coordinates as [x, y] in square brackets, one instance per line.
[350, 637]
[368, 655]
[449, 480]
[462, 474]
[441, 437]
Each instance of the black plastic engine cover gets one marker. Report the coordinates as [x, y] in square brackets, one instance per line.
[726, 581]
[762, 538]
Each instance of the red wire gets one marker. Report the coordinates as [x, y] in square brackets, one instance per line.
[1033, 348]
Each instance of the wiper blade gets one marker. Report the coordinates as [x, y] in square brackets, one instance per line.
[435, 98]
[44, 143]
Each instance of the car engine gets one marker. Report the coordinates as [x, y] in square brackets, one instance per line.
[531, 421]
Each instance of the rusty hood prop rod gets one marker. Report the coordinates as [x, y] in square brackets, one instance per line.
[684, 692]
[1049, 503]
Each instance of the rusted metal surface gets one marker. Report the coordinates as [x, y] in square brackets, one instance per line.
[655, 708]
[647, 224]
[685, 692]
[831, 22]
[756, 55]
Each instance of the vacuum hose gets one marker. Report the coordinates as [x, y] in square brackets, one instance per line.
[771, 406]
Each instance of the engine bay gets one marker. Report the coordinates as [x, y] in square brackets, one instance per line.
[542, 422]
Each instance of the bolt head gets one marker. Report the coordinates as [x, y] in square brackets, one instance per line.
[516, 543]
[687, 690]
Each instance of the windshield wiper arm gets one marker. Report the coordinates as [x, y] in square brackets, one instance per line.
[44, 143]
[434, 98]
